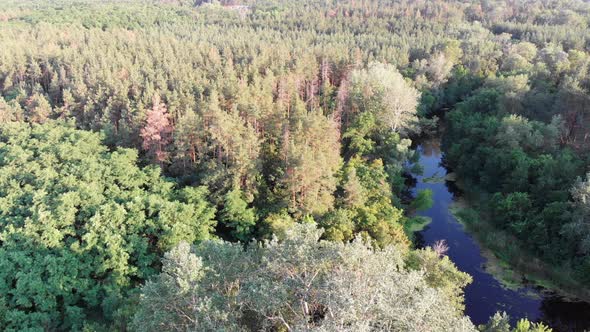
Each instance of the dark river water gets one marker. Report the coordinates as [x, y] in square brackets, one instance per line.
[486, 295]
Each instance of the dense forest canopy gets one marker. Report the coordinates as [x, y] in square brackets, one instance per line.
[131, 130]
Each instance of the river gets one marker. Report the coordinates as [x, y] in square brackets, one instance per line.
[486, 295]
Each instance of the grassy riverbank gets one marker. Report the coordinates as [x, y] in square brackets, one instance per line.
[507, 261]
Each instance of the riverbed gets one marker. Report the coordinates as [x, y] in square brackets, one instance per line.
[486, 295]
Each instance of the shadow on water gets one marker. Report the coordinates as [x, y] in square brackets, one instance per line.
[486, 295]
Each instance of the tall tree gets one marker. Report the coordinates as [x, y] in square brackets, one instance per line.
[381, 89]
[312, 157]
[37, 108]
[157, 131]
[233, 150]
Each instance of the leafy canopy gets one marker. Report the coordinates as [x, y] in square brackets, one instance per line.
[297, 284]
[81, 225]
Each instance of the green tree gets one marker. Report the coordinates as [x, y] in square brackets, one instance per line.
[81, 226]
[311, 151]
[441, 273]
[500, 322]
[376, 217]
[512, 210]
[299, 283]
[237, 216]
[381, 89]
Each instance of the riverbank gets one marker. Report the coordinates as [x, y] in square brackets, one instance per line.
[511, 264]
[487, 294]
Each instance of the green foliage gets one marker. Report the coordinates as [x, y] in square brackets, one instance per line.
[516, 134]
[368, 204]
[299, 283]
[382, 90]
[441, 273]
[339, 225]
[526, 164]
[311, 151]
[365, 139]
[277, 112]
[500, 323]
[423, 200]
[80, 225]
[237, 216]
[277, 224]
[512, 209]
[358, 135]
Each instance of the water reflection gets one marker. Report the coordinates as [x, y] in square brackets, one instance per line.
[485, 295]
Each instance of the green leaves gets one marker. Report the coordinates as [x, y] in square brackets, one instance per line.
[237, 216]
[382, 90]
[300, 283]
[509, 140]
[80, 225]
[440, 273]
[500, 323]
[423, 200]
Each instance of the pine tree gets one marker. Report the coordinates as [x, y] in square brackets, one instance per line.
[312, 158]
[156, 133]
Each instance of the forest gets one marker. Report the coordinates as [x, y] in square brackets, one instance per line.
[246, 165]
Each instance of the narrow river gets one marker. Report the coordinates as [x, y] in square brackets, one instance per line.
[486, 295]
